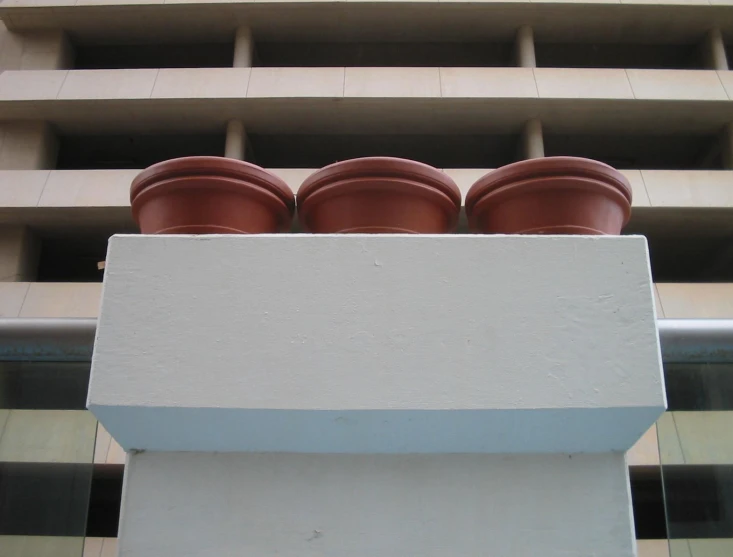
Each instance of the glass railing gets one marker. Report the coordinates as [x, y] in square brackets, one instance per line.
[695, 439]
[47, 442]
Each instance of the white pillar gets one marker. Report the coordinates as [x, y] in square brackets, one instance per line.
[533, 146]
[243, 48]
[460, 427]
[714, 51]
[524, 47]
[236, 140]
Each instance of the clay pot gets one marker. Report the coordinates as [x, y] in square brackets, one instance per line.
[553, 195]
[210, 195]
[379, 195]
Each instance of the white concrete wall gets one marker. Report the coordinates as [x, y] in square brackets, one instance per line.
[261, 505]
[454, 343]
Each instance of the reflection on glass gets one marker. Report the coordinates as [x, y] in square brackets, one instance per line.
[46, 458]
[44, 386]
[44, 499]
[696, 452]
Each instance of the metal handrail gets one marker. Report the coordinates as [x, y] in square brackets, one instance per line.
[48, 339]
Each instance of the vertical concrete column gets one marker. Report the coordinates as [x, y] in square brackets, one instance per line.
[243, 48]
[37, 50]
[236, 141]
[19, 251]
[524, 48]
[714, 51]
[28, 146]
[532, 145]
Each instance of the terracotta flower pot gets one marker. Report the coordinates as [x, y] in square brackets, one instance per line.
[553, 195]
[210, 195]
[379, 195]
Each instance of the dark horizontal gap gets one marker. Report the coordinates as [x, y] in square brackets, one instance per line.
[105, 500]
[44, 499]
[120, 56]
[44, 386]
[397, 54]
[699, 501]
[678, 256]
[619, 55]
[441, 151]
[640, 151]
[72, 257]
[647, 501]
[52, 499]
[132, 151]
[626, 151]
[704, 387]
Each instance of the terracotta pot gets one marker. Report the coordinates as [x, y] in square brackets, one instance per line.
[553, 195]
[379, 195]
[210, 195]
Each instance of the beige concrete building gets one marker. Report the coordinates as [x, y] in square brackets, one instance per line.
[93, 90]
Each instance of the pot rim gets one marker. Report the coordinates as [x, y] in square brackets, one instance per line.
[214, 184]
[380, 167]
[556, 183]
[547, 167]
[222, 167]
[346, 187]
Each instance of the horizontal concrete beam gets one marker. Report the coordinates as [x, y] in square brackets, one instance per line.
[108, 190]
[696, 438]
[428, 20]
[372, 100]
[356, 344]
[50, 299]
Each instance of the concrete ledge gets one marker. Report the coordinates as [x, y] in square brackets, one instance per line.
[372, 100]
[391, 344]
[199, 504]
[49, 299]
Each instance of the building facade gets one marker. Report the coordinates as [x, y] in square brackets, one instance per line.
[91, 91]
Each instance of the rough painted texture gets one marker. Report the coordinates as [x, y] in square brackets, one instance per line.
[452, 343]
[195, 504]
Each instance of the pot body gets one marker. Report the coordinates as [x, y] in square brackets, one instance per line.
[210, 195]
[560, 195]
[379, 195]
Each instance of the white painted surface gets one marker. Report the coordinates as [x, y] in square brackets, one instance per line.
[259, 505]
[377, 344]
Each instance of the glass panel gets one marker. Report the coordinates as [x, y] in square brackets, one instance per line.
[696, 452]
[44, 386]
[44, 499]
[47, 440]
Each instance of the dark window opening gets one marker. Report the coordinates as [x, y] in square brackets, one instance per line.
[79, 152]
[44, 386]
[441, 151]
[113, 57]
[404, 54]
[619, 55]
[648, 503]
[105, 501]
[73, 256]
[44, 499]
[695, 246]
[699, 501]
[638, 151]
